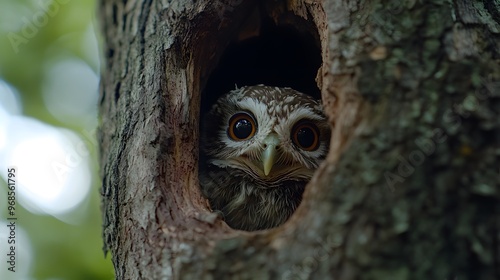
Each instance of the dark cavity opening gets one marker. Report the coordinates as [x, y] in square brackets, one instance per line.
[283, 55]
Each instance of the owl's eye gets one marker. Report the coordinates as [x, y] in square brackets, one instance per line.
[241, 127]
[305, 135]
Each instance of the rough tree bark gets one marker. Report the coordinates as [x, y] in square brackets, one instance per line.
[411, 187]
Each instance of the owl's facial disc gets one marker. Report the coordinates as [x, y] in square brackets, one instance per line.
[268, 157]
[270, 134]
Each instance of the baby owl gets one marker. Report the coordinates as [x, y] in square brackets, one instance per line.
[260, 146]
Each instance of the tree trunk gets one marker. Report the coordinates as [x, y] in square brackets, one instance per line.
[411, 186]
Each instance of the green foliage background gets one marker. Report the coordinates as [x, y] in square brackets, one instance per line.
[61, 250]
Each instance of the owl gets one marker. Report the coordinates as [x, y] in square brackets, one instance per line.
[259, 148]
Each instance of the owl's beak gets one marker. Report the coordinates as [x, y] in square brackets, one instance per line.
[271, 143]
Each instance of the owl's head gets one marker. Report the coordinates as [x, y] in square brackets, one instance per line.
[271, 134]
